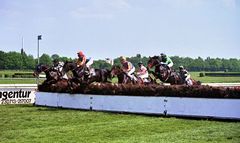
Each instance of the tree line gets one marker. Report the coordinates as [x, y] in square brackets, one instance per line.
[196, 64]
[22, 61]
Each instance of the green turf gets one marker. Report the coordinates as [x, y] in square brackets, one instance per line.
[26, 123]
[208, 79]
[18, 81]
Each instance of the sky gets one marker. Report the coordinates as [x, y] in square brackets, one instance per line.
[111, 28]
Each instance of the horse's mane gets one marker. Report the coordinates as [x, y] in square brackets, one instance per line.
[70, 63]
[156, 57]
[41, 65]
[116, 66]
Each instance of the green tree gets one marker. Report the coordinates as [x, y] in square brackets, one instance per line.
[2, 62]
[30, 62]
[101, 64]
[13, 60]
[64, 59]
[55, 56]
[197, 64]
[45, 59]
[235, 64]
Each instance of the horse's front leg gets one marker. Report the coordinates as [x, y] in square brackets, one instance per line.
[90, 80]
[155, 77]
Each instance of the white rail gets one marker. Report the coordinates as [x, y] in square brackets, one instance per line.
[168, 106]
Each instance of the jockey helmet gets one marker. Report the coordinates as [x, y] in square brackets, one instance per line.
[163, 55]
[140, 63]
[181, 67]
[80, 53]
[122, 58]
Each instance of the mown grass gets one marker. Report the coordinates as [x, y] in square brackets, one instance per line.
[19, 81]
[208, 79]
[26, 123]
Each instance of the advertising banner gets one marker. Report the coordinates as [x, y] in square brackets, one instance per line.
[17, 94]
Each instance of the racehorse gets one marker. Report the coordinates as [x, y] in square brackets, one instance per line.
[124, 78]
[52, 76]
[80, 75]
[54, 81]
[163, 72]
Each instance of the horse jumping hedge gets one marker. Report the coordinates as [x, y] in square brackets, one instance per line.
[150, 90]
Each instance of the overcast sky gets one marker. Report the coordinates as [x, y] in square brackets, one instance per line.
[110, 28]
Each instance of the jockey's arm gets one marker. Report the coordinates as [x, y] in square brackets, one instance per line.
[143, 70]
[163, 63]
[80, 63]
[169, 61]
[61, 64]
[128, 68]
[186, 74]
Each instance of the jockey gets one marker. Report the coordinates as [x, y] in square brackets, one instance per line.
[128, 67]
[166, 60]
[58, 66]
[142, 71]
[82, 60]
[184, 74]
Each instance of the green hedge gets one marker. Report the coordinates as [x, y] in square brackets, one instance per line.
[23, 75]
[201, 74]
[147, 90]
[17, 75]
[8, 75]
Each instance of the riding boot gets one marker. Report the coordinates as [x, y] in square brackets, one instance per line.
[92, 72]
[189, 82]
[87, 71]
[133, 78]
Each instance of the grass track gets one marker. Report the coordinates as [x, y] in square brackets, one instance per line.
[208, 79]
[26, 123]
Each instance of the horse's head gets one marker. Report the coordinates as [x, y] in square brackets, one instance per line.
[69, 66]
[116, 70]
[153, 61]
[40, 68]
[108, 73]
[72, 66]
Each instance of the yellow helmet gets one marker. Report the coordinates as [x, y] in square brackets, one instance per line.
[181, 67]
[122, 58]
